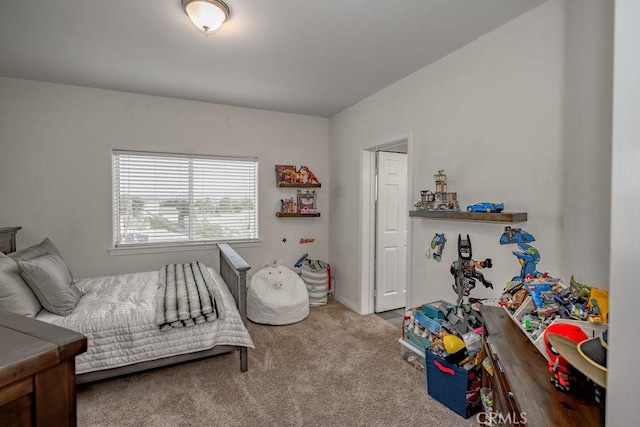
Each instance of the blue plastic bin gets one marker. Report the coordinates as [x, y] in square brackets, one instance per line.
[453, 386]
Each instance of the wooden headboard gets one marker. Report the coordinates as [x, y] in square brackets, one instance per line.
[8, 239]
[233, 270]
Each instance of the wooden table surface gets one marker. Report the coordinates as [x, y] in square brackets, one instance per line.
[527, 372]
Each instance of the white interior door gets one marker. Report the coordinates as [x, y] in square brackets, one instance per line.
[391, 232]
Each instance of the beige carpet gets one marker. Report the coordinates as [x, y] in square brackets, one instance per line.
[335, 368]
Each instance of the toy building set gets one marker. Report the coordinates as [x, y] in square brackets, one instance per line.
[450, 335]
[441, 199]
[445, 201]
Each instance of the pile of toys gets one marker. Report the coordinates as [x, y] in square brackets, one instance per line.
[536, 300]
[451, 332]
[451, 342]
[543, 300]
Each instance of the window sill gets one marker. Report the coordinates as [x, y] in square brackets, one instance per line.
[177, 247]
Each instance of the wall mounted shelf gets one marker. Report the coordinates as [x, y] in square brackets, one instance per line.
[294, 185]
[296, 215]
[288, 176]
[502, 217]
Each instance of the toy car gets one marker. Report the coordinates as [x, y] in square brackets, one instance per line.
[486, 207]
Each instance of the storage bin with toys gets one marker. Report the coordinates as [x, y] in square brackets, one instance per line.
[547, 301]
[412, 355]
[451, 344]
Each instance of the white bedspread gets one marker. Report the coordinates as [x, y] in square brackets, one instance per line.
[117, 314]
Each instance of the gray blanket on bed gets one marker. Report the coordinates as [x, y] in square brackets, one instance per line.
[187, 295]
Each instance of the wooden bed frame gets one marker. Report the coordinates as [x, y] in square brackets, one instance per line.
[233, 270]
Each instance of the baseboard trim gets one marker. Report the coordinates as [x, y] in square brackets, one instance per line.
[346, 303]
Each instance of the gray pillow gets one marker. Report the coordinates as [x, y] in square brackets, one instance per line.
[15, 295]
[49, 279]
[35, 251]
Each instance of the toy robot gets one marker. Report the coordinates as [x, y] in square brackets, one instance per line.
[562, 373]
[464, 270]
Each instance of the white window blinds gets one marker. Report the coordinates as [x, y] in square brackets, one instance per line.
[172, 198]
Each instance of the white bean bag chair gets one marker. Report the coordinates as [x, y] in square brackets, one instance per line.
[277, 296]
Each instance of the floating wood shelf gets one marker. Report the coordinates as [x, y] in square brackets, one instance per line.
[294, 185]
[509, 217]
[296, 215]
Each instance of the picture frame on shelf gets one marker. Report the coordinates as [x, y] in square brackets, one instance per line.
[307, 202]
[285, 173]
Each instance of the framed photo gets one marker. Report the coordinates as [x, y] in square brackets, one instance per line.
[285, 173]
[307, 201]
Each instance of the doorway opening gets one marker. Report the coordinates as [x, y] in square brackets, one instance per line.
[385, 226]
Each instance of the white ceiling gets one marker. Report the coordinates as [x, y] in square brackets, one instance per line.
[298, 56]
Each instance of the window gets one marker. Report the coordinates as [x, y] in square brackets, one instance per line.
[173, 198]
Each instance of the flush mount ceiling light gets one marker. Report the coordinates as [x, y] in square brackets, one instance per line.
[206, 15]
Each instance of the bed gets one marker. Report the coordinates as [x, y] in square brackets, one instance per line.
[117, 314]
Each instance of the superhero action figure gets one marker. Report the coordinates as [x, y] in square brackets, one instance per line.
[464, 270]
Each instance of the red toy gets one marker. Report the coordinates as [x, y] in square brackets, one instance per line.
[311, 178]
[563, 374]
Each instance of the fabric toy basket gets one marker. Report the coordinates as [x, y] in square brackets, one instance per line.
[316, 275]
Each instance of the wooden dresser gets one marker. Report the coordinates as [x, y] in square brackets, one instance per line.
[521, 389]
[37, 372]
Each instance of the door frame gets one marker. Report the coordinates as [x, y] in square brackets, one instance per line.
[368, 219]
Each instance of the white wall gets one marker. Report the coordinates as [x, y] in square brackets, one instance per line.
[624, 375]
[588, 78]
[55, 167]
[492, 114]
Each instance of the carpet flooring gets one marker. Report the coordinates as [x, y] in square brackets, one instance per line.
[335, 368]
